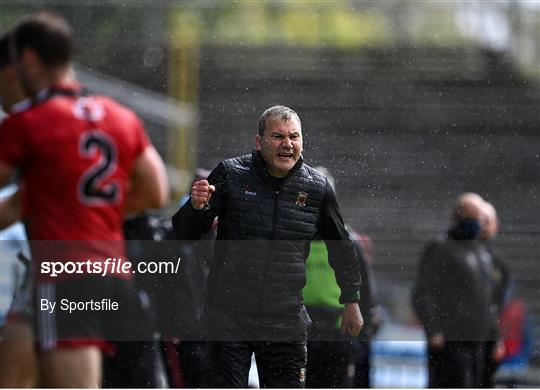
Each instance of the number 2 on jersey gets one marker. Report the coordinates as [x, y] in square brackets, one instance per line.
[91, 189]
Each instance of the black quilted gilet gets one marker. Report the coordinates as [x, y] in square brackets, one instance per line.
[264, 235]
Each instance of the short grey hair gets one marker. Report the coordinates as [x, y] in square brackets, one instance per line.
[277, 112]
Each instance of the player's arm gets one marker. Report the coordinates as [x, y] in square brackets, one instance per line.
[10, 210]
[149, 187]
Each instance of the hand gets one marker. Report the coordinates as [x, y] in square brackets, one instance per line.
[437, 340]
[201, 192]
[351, 320]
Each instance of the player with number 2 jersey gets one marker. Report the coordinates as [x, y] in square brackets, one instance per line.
[83, 162]
[75, 168]
[75, 153]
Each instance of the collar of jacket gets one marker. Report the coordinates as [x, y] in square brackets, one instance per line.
[259, 166]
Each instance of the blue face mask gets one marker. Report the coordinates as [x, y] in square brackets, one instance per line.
[468, 229]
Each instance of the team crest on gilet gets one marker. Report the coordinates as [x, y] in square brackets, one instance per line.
[302, 198]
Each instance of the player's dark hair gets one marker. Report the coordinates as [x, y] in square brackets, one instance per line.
[5, 59]
[48, 35]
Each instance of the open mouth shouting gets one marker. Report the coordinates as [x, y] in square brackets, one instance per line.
[285, 156]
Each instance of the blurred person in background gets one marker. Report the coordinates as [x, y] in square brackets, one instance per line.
[177, 298]
[336, 360]
[270, 204]
[18, 366]
[374, 320]
[189, 291]
[18, 361]
[85, 162]
[453, 299]
[500, 281]
[146, 237]
[173, 308]
[517, 334]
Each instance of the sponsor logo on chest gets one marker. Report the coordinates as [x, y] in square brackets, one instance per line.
[249, 192]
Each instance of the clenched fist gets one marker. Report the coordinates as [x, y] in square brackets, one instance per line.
[201, 192]
[352, 321]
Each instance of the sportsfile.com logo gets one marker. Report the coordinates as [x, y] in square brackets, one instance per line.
[110, 266]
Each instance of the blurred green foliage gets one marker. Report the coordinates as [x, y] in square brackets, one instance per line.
[101, 26]
[291, 23]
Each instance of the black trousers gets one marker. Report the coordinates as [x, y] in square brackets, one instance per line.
[328, 364]
[280, 364]
[141, 359]
[491, 366]
[338, 364]
[459, 364]
[195, 363]
[362, 365]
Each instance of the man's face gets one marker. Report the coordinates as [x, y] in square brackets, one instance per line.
[281, 145]
[31, 72]
[10, 88]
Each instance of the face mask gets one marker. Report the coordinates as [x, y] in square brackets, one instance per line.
[468, 229]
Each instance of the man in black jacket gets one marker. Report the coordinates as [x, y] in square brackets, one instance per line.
[500, 282]
[453, 299]
[270, 205]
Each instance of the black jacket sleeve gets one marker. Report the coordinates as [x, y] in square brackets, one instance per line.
[191, 224]
[501, 287]
[426, 297]
[342, 255]
[367, 290]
